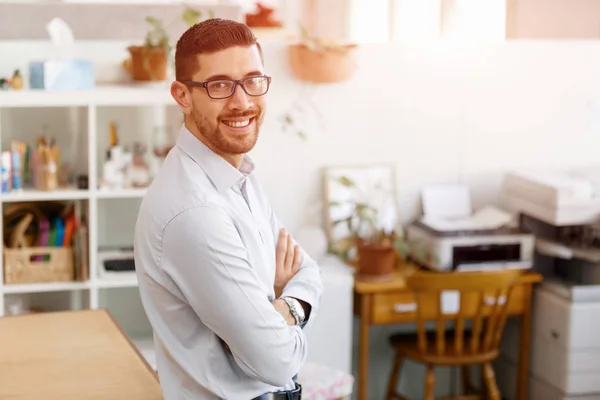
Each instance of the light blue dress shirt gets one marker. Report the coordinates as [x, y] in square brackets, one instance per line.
[205, 259]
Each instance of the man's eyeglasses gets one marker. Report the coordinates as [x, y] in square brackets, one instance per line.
[224, 88]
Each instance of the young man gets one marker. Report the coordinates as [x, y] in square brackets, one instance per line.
[225, 287]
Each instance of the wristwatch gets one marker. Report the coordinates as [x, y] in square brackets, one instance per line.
[296, 309]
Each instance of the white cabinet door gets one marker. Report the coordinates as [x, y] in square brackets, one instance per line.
[330, 334]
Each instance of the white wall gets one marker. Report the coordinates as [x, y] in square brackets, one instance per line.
[554, 18]
[445, 114]
[441, 114]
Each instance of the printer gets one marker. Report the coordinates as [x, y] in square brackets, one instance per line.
[557, 197]
[449, 236]
[562, 209]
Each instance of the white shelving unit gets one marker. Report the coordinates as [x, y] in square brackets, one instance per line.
[89, 111]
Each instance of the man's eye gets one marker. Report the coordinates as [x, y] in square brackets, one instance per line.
[219, 85]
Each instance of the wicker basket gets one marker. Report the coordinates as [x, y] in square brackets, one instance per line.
[38, 264]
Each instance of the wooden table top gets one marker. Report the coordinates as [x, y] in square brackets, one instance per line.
[398, 281]
[72, 355]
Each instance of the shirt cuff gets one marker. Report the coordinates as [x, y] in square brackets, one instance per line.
[300, 293]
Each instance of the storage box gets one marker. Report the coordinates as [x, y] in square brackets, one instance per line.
[566, 339]
[38, 264]
[61, 75]
[506, 378]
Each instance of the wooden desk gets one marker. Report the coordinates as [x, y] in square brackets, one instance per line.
[80, 355]
[390, 302]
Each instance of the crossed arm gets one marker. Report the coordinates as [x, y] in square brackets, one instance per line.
[205, 256]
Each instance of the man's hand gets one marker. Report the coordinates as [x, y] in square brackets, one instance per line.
[287, 261]
[282, 308]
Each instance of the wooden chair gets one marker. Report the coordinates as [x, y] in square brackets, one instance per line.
[483, 298]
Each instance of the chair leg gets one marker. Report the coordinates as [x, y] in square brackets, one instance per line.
[394, 378]
[467, 387]
[430, 383]
[483, 385]
[490, 382]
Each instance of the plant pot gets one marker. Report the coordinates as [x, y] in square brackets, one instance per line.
[376, 261]
[327, 65]
[148, 63]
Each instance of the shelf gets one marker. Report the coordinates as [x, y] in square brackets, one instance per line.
[70, 194]
[45, 287]
[127, 279]
[41, 195]
[120, 193]
[123, 95]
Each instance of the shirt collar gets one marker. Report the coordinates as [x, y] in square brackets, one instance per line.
[222, 174]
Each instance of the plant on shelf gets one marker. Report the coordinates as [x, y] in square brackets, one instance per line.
[149, 62]
[376, 250]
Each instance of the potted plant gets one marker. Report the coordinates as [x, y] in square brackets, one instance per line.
[315, 60]
[149, 62]
[375, 250]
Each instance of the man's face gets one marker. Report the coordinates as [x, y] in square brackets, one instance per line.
[230, 125]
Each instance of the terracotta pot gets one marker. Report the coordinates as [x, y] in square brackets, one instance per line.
[148, 63]
[323, 66]
[376, 261]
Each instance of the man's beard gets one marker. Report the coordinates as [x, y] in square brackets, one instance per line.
[228, 144]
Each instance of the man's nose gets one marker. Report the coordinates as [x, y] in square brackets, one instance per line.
[239, 100]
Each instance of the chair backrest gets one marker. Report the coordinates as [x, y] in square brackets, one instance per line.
[478, 296]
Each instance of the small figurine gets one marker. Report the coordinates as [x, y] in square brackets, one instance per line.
[17, 80]
[263, 17]
[137, 173]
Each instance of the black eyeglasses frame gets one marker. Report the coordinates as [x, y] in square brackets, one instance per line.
[235, 82]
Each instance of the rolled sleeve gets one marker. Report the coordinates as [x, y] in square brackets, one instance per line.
[307, 284]
[205, 256]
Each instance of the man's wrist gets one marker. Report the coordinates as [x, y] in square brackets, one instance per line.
[296, 309]
[283, 308]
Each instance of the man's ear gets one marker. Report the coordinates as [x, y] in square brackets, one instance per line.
[182, 96]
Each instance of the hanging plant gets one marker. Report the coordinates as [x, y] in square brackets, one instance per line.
[318, 61]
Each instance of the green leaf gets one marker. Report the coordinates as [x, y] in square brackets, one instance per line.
[344, 180]
[339, 221]
[191, 16]
[303, 32]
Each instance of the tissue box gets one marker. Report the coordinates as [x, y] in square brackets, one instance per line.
[61, 75]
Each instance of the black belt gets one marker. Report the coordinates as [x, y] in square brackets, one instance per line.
[294, 394]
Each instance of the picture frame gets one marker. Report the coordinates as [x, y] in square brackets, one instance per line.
[360, 202]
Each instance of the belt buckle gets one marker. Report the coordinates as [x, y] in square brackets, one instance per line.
[296, 394]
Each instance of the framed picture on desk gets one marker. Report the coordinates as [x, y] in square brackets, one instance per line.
[359, 202]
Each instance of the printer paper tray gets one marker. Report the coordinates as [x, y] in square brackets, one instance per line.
[554, 249]
[493, 266]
